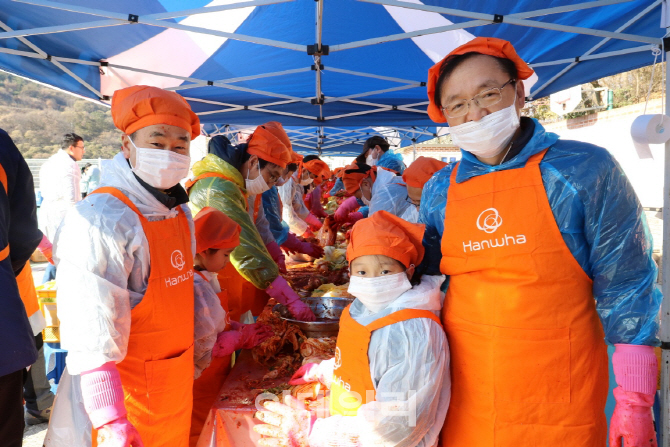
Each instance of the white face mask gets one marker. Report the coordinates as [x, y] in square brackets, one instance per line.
[160, 168]
[281, 181]
[257, 185]
[490, 135]
[370, 160]
[377, 293]
[365, 201]
[411, 214]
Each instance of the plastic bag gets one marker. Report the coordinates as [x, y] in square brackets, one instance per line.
[210, 319]
[69, 424]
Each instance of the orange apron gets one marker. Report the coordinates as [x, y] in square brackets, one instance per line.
[206, 387]
[352, 384]
[528, 358]
[157, 372]
[244, 295]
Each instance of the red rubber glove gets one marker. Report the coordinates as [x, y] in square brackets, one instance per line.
[277, 255]
[305, 374]
[282, 292]
[293, 244]
[636, 372]
[102, 394]
[314, 223]
[46, 249]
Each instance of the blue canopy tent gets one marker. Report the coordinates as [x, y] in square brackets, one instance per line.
[324, 140]
[315, 64]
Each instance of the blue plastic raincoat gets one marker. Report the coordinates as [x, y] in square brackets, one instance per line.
[272, 209]
[600, 219]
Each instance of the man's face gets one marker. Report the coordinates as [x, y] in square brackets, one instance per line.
[414, 195]
[475, 75]
[158, 136]
[271, 172]
[366, 188]
[77, 151]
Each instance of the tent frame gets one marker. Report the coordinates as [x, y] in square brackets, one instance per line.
[320, 49]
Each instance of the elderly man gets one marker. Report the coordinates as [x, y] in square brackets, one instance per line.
[548, 256]
[125, 296]
[59, 183]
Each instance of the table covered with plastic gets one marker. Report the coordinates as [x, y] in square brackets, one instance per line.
[231, 419]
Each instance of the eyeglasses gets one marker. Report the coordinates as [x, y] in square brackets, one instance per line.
[484, 99]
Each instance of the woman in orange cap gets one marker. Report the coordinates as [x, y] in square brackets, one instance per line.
[524, 215]
[216, 336]
[357, 180]
[232, 179]
[391, 346]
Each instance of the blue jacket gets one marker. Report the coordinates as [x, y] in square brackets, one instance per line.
[278, 228]
[337, 187]
[18, 228]
[600, 219]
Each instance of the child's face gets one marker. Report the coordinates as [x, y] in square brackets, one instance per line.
[372, 266]
[215, 260]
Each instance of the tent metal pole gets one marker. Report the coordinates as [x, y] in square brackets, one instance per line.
[665, 286]
[591, 57]
[317, 56]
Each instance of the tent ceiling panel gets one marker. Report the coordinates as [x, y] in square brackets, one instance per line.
[247, 62]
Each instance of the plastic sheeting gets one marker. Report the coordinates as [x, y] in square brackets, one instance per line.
[250, 258]
[389, 193]
[272, 208]
[210, 319]
[391, 160]
[599, 217]
[419, 361]
[294, 211]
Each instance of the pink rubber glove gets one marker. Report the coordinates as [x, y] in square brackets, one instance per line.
[102, 393]
[305, 374]
[636, 373]
[285, 425]
[282, 292]
[314, 223]
[347, 207]
[277, 255]
[354, 217]
[120, 433]
[293, 244]
[242, 336]
[46, 248]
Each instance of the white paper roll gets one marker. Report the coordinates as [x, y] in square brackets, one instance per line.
[649, 129]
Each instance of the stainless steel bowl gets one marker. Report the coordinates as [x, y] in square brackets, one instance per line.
[323, 307]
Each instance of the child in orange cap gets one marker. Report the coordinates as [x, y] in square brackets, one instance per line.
[358, 180]
[389, 380]
[216, 235]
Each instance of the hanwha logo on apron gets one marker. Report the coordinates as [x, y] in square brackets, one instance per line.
[177, 260]
[489, 220]
[338, 358]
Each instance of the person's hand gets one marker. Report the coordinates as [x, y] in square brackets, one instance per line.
[227, 342]
[312, 250]
[305, 374]
[277, 255]
[282, 292]
[119, 433]
[46, 248]
[285, 424]
[254, 334]
[636, 372]
[631, 420]
[313, 222]
[301, 311]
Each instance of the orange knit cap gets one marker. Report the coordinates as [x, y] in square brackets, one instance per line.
[213, 229]
[140, 106]
[270, 142]
[421, 170]
[355, 174]
[385, 234]
[317, 167]
[484, 45]
[296, 157]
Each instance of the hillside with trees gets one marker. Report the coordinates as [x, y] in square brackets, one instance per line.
[36, 117]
